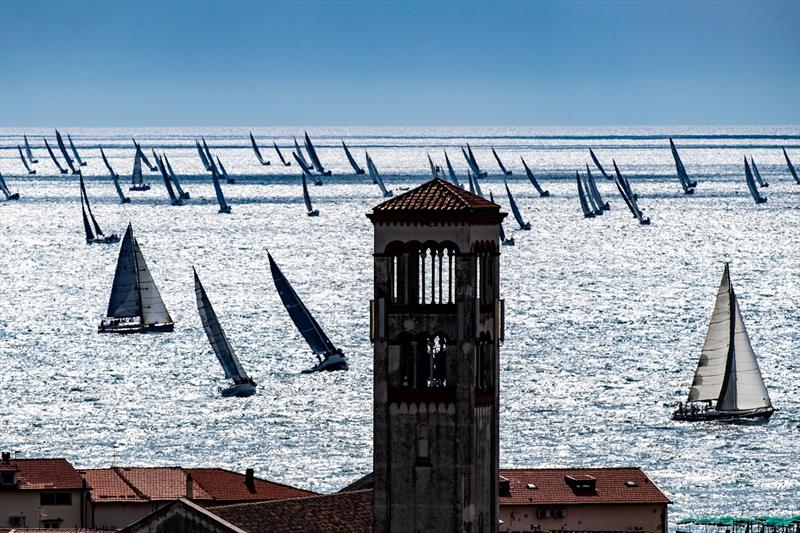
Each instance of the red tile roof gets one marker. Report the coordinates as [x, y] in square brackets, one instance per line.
[435, 200]
[169, 483]
[49, 474]
[552, 488]
[346, 512]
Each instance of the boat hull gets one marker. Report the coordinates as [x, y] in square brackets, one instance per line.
[314, 213]
[761, 413]
[124, 327]
[329, 364]
[14, 196]
[139, 188]
[240, 390]
[109, 239]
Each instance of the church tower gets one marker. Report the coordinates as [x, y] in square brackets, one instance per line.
[436, 327]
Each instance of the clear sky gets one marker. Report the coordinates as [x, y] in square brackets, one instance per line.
[228, 63]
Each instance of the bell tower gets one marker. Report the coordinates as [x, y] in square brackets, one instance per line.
[436, 327]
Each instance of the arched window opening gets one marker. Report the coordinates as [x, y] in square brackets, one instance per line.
[423, 362]
[422, 273]
[484, 366]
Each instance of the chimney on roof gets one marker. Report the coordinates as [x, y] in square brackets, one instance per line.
[189, 486]
[250, 479]
[6, 458]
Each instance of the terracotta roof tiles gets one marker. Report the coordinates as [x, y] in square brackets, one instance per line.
[38, 474]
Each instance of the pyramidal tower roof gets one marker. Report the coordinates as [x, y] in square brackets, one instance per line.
[437, 201]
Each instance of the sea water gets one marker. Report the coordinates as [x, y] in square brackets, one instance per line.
[604, 318]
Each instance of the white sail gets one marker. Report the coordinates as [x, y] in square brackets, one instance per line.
[153, 309]
[216, 335]
[125, 300]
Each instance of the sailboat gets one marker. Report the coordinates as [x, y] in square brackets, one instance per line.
[114, 176]
[791, 166]
[359, 171]
[587, 212]
[687, 184]
[598, 165]
[153, 168]
[630, 197]
[515, 210]
[223, 205]
[75, 151]
[477, 187]
[228, 179]
[312, 153]
[310, 211]
[329, 357]
[306, 170]
[751, 184]
[471, 182]
[727, 384]
[32, 160]
[300, 157]
[203, 158]
[757, 174]
[503, 240]
[280, 155]
[53, 157]
[135, 305]
[25, 161]
[67, 158]
[96, 236]
[533, 180]
[242, 384]
[596, 208]
[500, 163]
[434, 168]
[376, 177]
[475, 168]
[137, 180]
[595, 193]
[257, 151]
[173, 198]
[183, 195]
[8, 194]
[450, 170]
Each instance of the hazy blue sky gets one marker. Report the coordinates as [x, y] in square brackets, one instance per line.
[253, 63]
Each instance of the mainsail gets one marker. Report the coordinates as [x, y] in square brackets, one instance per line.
[67, 158]
[8, 194]
[300, 157]
[223, 205]
[757, 174]
[587, 212]
[376, 177]
[686, 183]
[629, 196]
[173, 199]
[29, 152]
[224, 172]
[791, 166]
[203, 158]
[53, 157]
[216, 336]
[257, 151]
[306, 170]
[595, 193]
[25, 161]
[471, 182]
[312, 153]
[728, 371]
[500, 163]
[450, 170]
[352, 161]
[476, 169]
[500, 226]
[115, 177]
[75, 151]
[598, 165]
[126, 299]
[152, 168]
[280, 155]
[751, 184]
[434, 168]
[597, 209]
[136, 176]
[515, 209]
[309, 328]
[208, 157]
[85, 199]
[533, 180]
[477, 187]
[306, 197]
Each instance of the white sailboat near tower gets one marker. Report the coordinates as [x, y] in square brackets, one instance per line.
[242, 384]
[727, 384]
[135, 305]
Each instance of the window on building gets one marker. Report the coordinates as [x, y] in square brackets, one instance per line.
[484, 365]
[423, 445]
[422, 274]
[55, 498]
[8, 478]
[424, 362]
[51, 524]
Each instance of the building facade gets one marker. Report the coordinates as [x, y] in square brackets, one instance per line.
[436, 327]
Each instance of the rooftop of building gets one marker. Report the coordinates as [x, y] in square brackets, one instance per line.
[140, 484]
[437, 201]
[43, 474]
